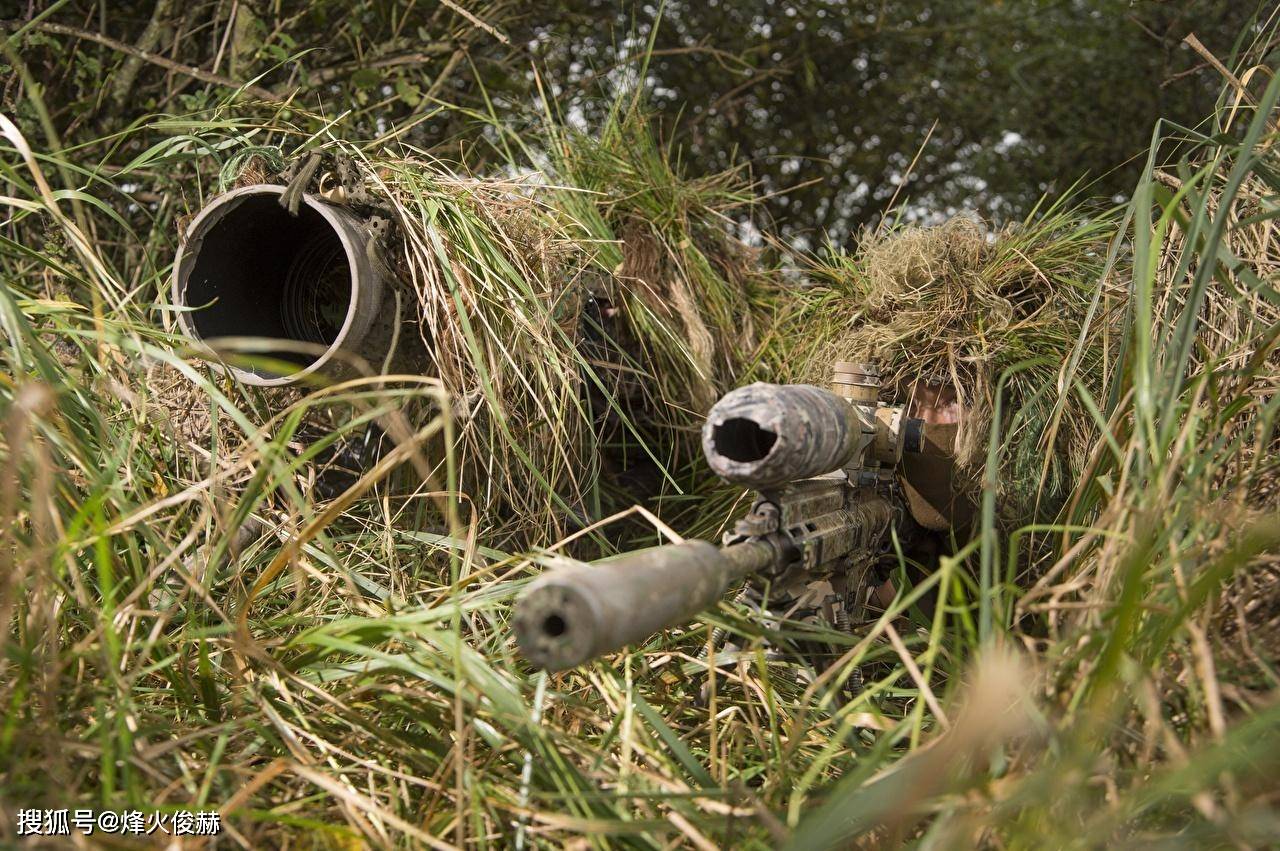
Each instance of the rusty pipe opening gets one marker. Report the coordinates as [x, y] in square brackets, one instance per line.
[250, 269]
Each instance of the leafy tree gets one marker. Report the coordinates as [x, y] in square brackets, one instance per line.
[827, 101]
[832, 99]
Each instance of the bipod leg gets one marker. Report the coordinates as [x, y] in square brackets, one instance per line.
[713, 647]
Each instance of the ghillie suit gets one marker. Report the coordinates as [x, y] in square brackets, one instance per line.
[576, 362]
[984, 329]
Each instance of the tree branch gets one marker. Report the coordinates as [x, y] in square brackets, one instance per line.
[154, 59]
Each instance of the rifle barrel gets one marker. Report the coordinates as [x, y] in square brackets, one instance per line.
[567, 617]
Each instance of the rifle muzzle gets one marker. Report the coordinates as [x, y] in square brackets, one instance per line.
[570, 616]
[250, 269]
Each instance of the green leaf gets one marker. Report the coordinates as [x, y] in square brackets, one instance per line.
[677, 747]
[366, 78]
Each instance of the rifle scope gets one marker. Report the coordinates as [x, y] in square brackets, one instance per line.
[250, 269]
[765, 435]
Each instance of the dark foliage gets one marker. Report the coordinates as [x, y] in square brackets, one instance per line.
[826, 100]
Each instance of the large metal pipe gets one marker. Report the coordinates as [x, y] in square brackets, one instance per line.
[764, 435]
[569, 616]
[250, 269]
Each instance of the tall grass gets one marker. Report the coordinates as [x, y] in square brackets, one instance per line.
[347, 675]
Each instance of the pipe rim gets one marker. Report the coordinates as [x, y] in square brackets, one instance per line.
[357, 267]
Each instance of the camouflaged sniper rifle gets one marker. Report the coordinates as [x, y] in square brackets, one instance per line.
[828, 467]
